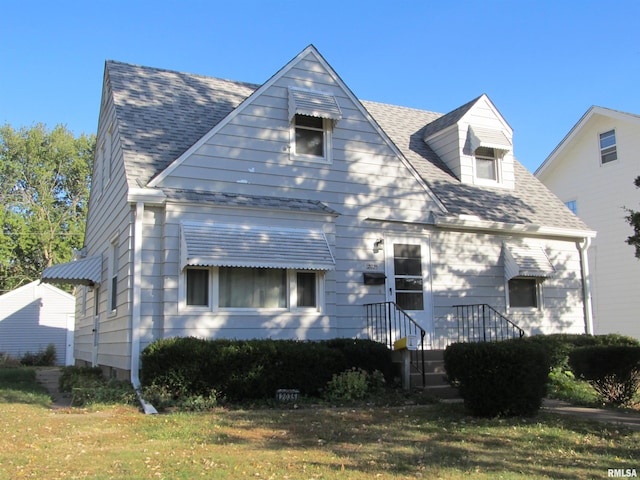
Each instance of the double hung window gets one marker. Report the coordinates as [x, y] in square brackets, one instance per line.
[608, 150]
[486, 164]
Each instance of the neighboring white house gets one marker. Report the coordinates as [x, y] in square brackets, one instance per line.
[592, 171]
[294, 210]
[34, 316]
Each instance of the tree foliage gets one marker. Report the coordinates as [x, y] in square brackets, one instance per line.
[45, 177]
[633, 218]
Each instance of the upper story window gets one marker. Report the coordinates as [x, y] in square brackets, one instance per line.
[608, 150]
[310, 136]
[486, 163]
[573, 206]
[312, 116]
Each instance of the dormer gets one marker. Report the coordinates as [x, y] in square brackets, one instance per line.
[476, 144]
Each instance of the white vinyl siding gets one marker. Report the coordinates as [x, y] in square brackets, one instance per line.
[601, 193]
[34, 316]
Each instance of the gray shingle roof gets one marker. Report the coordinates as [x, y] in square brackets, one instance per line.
[161, 113]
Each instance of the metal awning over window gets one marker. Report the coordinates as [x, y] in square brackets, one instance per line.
[85, 271]
[254, 246]
[526, 261]
[314, 104]
[490, 138]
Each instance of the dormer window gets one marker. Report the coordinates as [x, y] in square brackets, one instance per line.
[486, 163]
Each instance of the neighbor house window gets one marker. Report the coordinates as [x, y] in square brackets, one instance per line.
[523, 293]
[251, 288]
[573, 206]
[608, 151]
[486, 163]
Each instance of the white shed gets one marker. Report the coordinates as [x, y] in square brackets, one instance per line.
[34, 316]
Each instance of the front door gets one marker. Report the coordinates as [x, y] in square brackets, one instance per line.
[408, 283]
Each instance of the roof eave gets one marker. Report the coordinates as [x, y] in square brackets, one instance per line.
[477, 224]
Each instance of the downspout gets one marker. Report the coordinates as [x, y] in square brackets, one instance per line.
[135, 309]
[583, 246]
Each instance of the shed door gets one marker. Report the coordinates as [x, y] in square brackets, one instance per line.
[408, 282]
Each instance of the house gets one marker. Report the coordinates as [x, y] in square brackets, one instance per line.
[294, 210]
[34, 316]
[592, 171]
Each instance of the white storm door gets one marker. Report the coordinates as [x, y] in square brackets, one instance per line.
[408, 282]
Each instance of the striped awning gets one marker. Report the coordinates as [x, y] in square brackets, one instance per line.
[85, 271]
[254, 246]
[314, 104]
[490, 138]
[526, 261]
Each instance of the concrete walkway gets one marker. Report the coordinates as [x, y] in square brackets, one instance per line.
[616, 417]
[48, 378]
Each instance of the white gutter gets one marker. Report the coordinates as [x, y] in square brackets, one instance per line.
[135, 309]
[583, 246]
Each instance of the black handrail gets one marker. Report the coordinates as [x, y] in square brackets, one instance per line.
[388, 323]
[483, 323]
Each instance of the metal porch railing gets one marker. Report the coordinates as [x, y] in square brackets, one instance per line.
[387, 323]
[483, 323]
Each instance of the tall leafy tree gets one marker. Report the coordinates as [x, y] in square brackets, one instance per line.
[45, 177]
[633, 218]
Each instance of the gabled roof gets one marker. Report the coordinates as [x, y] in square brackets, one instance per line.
[161, 114]
[589, 114]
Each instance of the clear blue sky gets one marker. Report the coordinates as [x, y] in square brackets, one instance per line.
[542, 62]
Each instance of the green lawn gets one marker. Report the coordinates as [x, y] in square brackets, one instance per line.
[431, 441]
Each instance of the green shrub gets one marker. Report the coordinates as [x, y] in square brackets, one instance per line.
[7, 360]
[353, 384]
[254, 369]
[504, 378]
[44, 358]
[612, 370]
[559, 346]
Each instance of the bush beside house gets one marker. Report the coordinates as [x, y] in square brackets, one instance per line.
[254, 369]
[499, 379]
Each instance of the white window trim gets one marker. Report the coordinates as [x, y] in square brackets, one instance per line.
[615, 136]
[539, 296]
[498, 156]
[327, 125]
[114, 253]
[213, 293]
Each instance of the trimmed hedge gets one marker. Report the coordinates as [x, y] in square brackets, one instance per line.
[559, 346]
[253, 369]
[612, 370]
[499, 379]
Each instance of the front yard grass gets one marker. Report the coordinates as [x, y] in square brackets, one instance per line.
[412, 441]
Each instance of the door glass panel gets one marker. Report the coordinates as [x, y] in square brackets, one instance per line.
[407, 262]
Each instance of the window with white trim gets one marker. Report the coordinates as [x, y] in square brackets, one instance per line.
[113, 297]
[486, 163]
[229, 288]
[524, 293]
[608, 149]
[311, 138]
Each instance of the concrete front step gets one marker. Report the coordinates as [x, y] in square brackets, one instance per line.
[435, 383]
